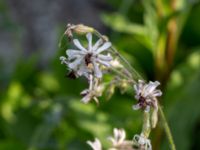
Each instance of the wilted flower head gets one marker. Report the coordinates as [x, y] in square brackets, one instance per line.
[146, 94]
[142, 142]
[96, 145]
[85, 61]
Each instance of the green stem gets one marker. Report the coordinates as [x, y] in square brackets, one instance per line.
[167, 129]
[122, 75]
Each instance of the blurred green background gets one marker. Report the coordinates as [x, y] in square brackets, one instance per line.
[40, 108]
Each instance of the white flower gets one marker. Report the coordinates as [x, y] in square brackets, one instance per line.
[85, 61]
[119, 137]
[143, 142]
[119, 142]
[146, 95]
[96, 145]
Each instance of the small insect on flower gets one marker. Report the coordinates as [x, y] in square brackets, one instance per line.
[146, 95]
[96, 145]
[85, 61]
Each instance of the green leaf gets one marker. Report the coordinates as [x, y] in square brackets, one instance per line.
[121, 24]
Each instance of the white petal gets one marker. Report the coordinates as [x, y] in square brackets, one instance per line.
[122, 135]
[136, 88]
[86, 99]
[104, 47]
[157, 93]
[152, 86]
[97, 71]
[115, 133]
[141, 140]
[74, 64]
[82, 69]
[104, 57]
[97, 44]
[89, 38]
[136, 107]
[86, 91]
[96, 145]
[78, 45]
[147, 109]
[74, 53]
[105, 63]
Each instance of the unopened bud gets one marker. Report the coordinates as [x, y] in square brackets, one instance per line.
[123, 86]
[110, 91]
[79, 29]
[82, 29]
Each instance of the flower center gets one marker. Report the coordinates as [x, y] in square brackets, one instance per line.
[143, 102]
[88, 59]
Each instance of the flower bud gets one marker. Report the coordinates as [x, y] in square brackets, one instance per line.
[79, 29]
[82, 29]
[110, 91]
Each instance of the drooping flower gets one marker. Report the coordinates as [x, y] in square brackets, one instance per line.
[142, 142]
[146, 95]
[85, 61]
[96, 145]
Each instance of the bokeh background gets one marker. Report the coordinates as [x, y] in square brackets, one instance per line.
[40, 108]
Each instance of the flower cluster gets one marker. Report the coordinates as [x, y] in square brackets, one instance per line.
[88, 61]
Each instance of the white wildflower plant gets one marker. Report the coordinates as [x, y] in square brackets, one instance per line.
[92, 62]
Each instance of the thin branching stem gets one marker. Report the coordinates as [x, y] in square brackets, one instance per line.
[131, 69]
